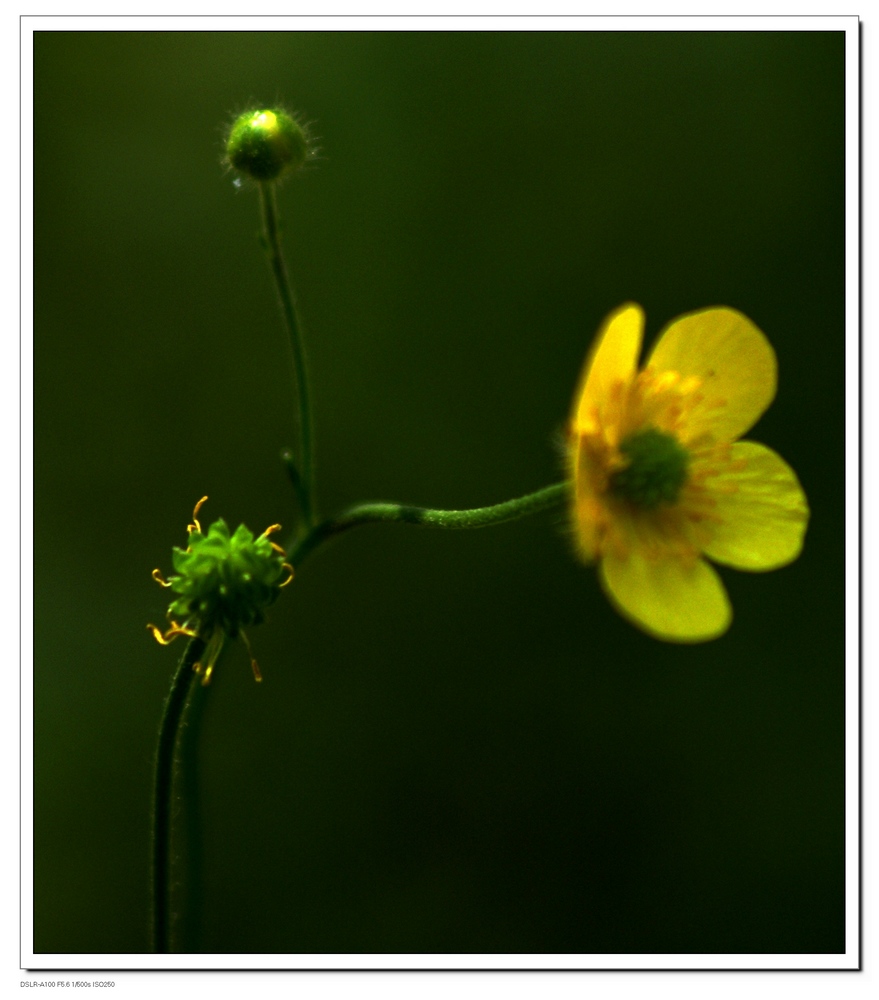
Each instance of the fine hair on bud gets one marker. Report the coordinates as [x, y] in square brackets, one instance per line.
[267, 143]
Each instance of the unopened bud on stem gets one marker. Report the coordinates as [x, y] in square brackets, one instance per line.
[265, 144]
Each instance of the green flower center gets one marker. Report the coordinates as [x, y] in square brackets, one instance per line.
[656, 470]
[226, 580]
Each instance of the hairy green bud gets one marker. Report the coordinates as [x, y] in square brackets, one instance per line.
[265, 144]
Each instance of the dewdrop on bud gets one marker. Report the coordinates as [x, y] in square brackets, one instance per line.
[266, 144]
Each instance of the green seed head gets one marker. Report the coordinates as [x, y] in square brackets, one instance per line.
[224, 580]
[656, 472]
[266, 144]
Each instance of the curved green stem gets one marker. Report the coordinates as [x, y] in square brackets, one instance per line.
[271, 233]
[477, 517]
[163, 791]
[188, 834]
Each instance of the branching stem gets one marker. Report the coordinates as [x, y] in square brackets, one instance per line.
[272, 237]
[476, 517]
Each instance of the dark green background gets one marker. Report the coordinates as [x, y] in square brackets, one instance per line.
[458, 746]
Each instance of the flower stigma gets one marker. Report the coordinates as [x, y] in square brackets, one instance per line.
[656, 470]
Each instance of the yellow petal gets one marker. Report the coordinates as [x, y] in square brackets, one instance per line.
[734, 361]
[764, 520]
[613, 358]
[587, 508]
[668, 598]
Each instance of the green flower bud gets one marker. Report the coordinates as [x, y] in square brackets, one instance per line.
[266, 144]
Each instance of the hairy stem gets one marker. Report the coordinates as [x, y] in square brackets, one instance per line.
[163, 792]
[477, 517]
[271, 234]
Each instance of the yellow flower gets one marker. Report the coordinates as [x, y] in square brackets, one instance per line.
[660, 479]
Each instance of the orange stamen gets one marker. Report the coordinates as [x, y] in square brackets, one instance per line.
[254, 666]
[195, 526]
[212, 654]
[170, 634]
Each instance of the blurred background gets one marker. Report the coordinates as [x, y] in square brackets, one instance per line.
[458, 746]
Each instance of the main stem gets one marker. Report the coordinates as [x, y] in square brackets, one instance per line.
[272, 235]
[163, 792]
[476, 517]
[181, 685]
